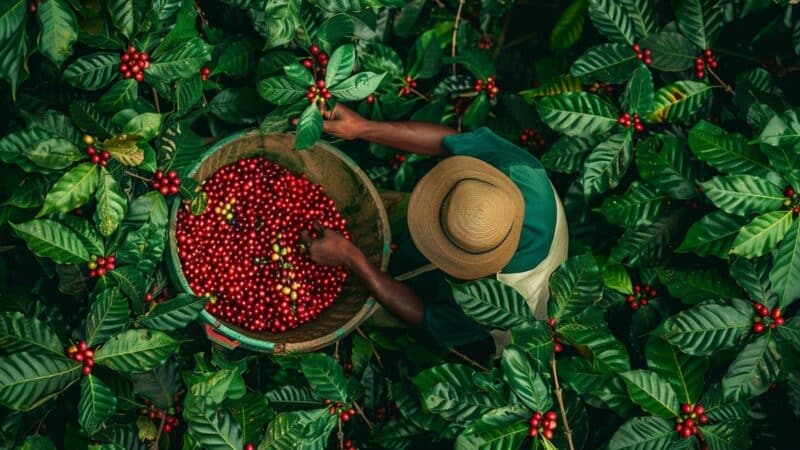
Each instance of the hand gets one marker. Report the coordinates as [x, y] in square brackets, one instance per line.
[343, 122]
[329, 248]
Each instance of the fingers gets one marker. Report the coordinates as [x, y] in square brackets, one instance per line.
[318, 226]
[305, 237]
[329, 114]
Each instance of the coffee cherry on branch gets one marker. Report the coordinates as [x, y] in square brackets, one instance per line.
[532, 139]
[543, 424]
[642, 295]
[489, 86]
[643, 54]
[82, 353]
[133, 63]
[98, 265]
[691, 415]
[486, 42]
[166, 184]
[204, 73]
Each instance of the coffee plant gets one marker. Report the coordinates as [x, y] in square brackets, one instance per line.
[671, 130]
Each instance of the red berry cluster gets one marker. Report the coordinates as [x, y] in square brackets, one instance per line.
[486, 42]
[408, 84]
[532, 138]
[170, 422]
[166, 183]
[490, 86]
[792, 199]
[642, 294]
[133, 63]
[348, 368]
[600, 87]
[558, 345]
[396, 161]
[97, 157]
[625, 121]
[766, 318]
[707, 58]
[318, 93]
[345, 414]
[385, 412]
[645, 55]
[259, 287]
[98, 266]
[82, 353]
[544, 424]
[321, 59]
[204, 73]
[691, 415]
[33, 5]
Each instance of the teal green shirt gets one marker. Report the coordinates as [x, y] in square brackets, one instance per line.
[527, 173]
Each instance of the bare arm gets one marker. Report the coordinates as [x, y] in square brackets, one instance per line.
[332, 249]
[416, 137]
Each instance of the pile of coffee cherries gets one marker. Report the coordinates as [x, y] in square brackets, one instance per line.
[82, 353]
[641, 295]
[133, 63]
[244, 251]
[543, 423]
[691, 415]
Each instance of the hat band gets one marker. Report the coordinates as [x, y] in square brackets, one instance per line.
[450, 239]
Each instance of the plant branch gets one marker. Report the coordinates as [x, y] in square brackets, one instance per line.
[520, 40]
[154, 444]
[374, 350]
[702, 441]
[560, 398]
[725, 85]
[456, 23]
[419, 94]
[743, 56]
[363, 416]
[340, 435]
[131, 174]
[469, 360]
[155, 100]
[336, 351]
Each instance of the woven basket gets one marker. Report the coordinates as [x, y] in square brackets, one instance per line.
[356, 199]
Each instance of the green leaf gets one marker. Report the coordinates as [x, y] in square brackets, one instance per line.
[289, 397]
[174, 314]
[638, 95]
[215, 430]
[283, 21]
[121, 12]
[686, 373]
[28, 380]
[680, 101]
[236, 60]
[644, 433]
[755, 368]
[654, 394]
[607, 164]
[299, 75]
[28, 193]
[188, 92]
[790, 332]
[309, 127]
[111, 204]
[20, 333]
[14, 146]
[706, 328]
[457, 405]
[59, 30]
[523, 376]
[671, 51]
[108, 314]
[325, 376]
[89, 120]
[14, 60]
[340, 65]
[712, 235]
[612, 20]
[643, 15]
[477, 112]
[280, 91]
[97, 403]
[491, 302]
[334, 30]
[124, 148]
[86, 232]
[762, 235]
[783, 130]
[610, 63]
[72, 190]
[700, 21]
[136, 350]
[638, 206]
[38, 442]
[358, 86]
[535, 338]
[132, 282]
[785, 273]
[120, 96]
[503, 431]
[180, 62]
[608, 354]
[251, 412]
[377, 57]
[569, 27]
[726, 152]
[733, 435]
[11, 18]
[561, 84]
[575, 285]
[743, 194]
[53, 153]
[577, 114]
[616, 277]
[566, 155]
[146, 126]
[50, 239]
[753, 276]
[143, 247]
[697, 285]
[647, 244]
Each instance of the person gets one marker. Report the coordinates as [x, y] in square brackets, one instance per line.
[486, 210]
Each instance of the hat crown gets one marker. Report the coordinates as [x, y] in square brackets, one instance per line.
[476, 216]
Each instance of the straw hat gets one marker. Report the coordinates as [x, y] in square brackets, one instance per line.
[466, 216]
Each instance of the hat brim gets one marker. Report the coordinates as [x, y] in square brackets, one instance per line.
[425, 226]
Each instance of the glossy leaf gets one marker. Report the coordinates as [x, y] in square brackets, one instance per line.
[616, 277]
[712, 235]
[753, 276]
[762, 234]
[20, 333]
[309, 127]
[53, 153]
[11, 18]
[755, 368]
[610, 63]
[638, 95]
[567, 154]
[561, 84]
[179, 62]
[122, 15]
[671, 51]
[638, 206]
[733, 435]
[785, 273]
[492, 303]
[72, 190]
[340, 65]
[685, 373]
[612, 20]
[643, 15]
[525, 381]
[706, 328]
[53, 240]
[607, 164]
[535, 338]
[680, 101]
[280, 91]
[174, 314]
[111, 204]
[143, 247]
[743, 194]
[215, 430]
[575, 285]
[698, 285]
[609, 355]
[97, 403]
[654, 394]
[120, 96]
[325, 376]
[726, 152]
[647, 244]
[700, 21]
[108, 314]
[27, 380]
[146, 126]
[136, 350]
[358, 86]
[59, 30]
[644, 433]
[577, 114]
[569, 27]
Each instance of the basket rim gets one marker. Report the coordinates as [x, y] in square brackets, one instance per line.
[264, 345]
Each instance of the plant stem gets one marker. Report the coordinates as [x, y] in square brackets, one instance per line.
[131, 174]
[469, 360]
[560, 398]
[702, 441]
[722, 51]
[456, 23]
[725, 85]
[374, 351]
[340, 435]
[363, 416]
[155, 100]
[419, 94]
[154, 444]
[336, 351]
